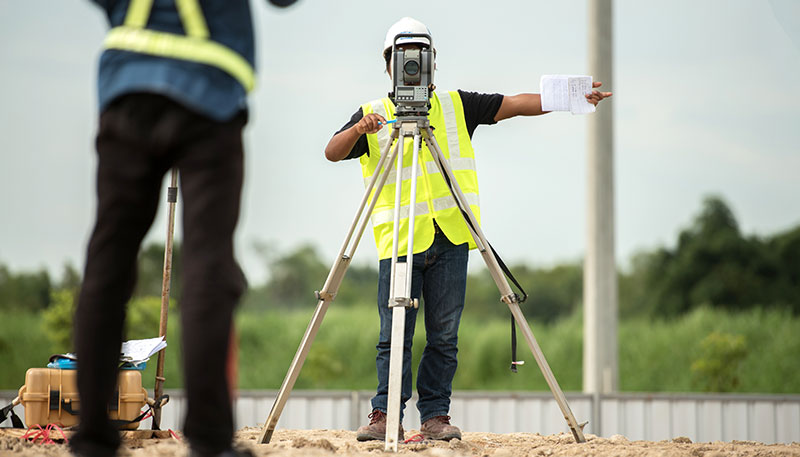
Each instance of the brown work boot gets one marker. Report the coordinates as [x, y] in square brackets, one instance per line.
[439, 428]
[376, 430]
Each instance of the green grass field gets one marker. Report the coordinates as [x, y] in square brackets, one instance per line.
[750, 351]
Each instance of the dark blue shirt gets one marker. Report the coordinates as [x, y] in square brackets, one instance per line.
[202, 88]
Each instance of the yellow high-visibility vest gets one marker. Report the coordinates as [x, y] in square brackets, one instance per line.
[195, 46]
[434, 200]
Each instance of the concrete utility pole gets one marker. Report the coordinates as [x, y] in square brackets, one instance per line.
[600, 366]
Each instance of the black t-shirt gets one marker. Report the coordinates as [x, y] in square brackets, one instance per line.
[478, 109]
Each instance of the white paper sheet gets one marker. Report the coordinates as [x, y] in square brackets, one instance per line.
[137, 351]
[566, 93]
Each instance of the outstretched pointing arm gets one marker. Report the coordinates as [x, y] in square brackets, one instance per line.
[531, 104]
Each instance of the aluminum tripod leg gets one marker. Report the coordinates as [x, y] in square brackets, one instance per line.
[329, 290]
[400, 286]
[507, 294]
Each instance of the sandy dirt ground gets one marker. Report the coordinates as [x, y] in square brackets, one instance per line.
[313, 443]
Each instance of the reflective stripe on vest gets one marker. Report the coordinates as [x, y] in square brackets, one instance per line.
[460, 163]
[433, 197]
[195, 46]
[439, 204]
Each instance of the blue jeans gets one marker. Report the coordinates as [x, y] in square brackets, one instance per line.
[440, 275]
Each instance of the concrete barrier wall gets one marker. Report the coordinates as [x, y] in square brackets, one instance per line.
[638, 416]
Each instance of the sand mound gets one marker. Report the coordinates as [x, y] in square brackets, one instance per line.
[312, 443]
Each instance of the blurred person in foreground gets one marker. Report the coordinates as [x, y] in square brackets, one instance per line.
[172, 89]
[441, 237]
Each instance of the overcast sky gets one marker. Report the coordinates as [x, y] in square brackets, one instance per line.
[706, 101]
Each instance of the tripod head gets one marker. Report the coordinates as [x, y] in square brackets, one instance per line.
[412, 76]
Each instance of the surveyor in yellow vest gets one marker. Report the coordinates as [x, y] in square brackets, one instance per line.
[172, 90]
[441, 237]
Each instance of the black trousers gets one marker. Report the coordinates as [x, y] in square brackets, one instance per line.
[140, 138]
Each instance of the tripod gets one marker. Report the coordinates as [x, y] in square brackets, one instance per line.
[418, 128]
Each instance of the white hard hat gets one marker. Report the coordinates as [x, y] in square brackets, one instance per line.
[405, 25]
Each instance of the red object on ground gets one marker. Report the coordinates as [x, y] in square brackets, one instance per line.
[43, 434]
[418, 438]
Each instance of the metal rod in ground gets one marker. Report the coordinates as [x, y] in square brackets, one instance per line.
[158, 389]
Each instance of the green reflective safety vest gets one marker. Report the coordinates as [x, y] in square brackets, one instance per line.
[434, 200]
[195, 46]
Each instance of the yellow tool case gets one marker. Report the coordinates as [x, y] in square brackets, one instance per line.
[50, 396]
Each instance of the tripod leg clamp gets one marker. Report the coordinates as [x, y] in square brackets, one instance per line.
[403, 301]
[324, 295]
[510, 299]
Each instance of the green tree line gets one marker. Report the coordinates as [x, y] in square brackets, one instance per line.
[711, 264]
[712, 268]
